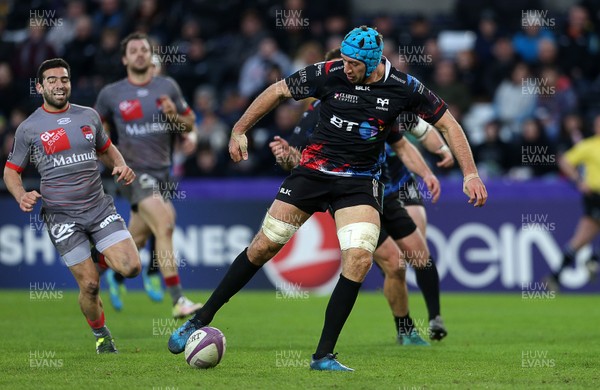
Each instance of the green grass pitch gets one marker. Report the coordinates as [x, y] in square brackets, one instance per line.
[495, 341]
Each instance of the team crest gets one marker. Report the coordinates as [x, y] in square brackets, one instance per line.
[88, 133]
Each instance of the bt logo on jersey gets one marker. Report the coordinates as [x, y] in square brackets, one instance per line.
[339, 123]
[55, 140]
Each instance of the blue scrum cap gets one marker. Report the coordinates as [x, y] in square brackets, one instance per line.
[361, 44]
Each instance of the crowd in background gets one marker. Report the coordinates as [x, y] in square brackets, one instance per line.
[520, 78]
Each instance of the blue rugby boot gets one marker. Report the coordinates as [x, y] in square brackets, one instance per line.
[181, 335]
[328, 363]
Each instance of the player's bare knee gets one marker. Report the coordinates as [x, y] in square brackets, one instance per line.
[356, 263]
[140, 240]
[90, 288]
[132, 269]
[273, 235]
[165, 230]
[262, 249]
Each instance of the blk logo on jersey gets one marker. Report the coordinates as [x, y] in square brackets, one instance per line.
[131, 110]
[88, 133]
[55, 141]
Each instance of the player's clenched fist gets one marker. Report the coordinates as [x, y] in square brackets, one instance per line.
[238, 147]
[28, 200]
[125, 173]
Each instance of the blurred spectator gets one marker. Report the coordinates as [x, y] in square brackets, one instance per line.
[9, 94]
[418, 33]
[149, 18]
[547, 53]
[17, 116]
[3, 134]
[205, 162]
[527, 40]
[190, 30]
[571, 132]
[81, 51]
[487, 34]
[336, 24]
[232, 107]
[31, 52]
[555, 98]
[238, 46]
[6, 145]
[109, 15]
[469, 73]
[579, 46]
[493, 156]
[309, 53]
[60, 35]
[196, 67]
[513, 102]
[212, 41]
[255, 70]
[386, 26]
[6, 47]
[390, 51]
[292, 25]
[211, 129]
[449, 88]
[501, 67]
[107, 61]
[536, 153]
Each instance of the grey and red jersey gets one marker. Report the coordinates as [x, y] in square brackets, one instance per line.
[144, 131]
[63, 146]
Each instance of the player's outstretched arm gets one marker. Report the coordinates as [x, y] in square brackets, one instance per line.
[434, 143]
[429, 137]
[113, 159]
[412, 158]
[262, 105]
[473, 187]
[14, 183]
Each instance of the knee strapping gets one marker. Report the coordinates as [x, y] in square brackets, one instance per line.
[359, 235]
[277, 231]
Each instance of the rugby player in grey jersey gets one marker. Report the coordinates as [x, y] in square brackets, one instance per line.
[147, 111]
[64, 142]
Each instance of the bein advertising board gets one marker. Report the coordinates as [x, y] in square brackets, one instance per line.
[510, 243]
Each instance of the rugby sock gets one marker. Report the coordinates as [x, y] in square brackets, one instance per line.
[98, 326]
[153, 268]
[404, 324]
[174, 288]
[428, 281]
[568, 259]
[337, 312]
[239, 273]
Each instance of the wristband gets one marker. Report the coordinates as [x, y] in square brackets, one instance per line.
[466, 179]
[444, 148]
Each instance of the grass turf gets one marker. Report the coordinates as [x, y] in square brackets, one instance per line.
[495, 341]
